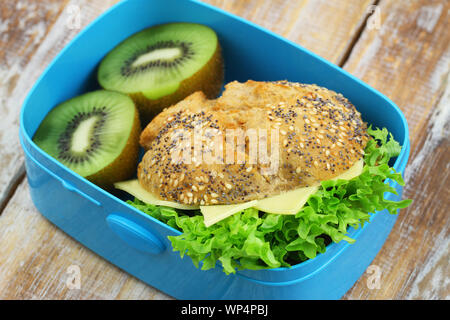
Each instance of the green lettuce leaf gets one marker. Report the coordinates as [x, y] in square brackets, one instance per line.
[256, 240]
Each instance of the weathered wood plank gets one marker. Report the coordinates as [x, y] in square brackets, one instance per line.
[326, 27]
[408, 59]
[34, 257]
[23, 26]
[428, 177]
[32, 34]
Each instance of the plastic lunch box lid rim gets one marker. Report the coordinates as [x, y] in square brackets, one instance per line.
[23, 134]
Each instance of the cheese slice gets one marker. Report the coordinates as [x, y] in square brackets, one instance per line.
[134, 188]
[291, 202]
[353, 172]
[288, 203]
[216, 213]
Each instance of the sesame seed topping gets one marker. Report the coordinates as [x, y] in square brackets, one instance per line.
[310, 128]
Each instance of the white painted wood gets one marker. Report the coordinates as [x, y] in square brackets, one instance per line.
[18, 75]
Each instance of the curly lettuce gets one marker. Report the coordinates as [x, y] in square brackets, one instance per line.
[256, 240]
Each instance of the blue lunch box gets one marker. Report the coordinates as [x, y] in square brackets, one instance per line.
[136, 242]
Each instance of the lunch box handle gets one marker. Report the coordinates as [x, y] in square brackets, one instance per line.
[67, 185]
[134, 234]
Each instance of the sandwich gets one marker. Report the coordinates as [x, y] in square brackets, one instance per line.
[265, 176]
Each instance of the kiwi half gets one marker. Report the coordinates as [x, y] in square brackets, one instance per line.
[96, 135]
[159, 66]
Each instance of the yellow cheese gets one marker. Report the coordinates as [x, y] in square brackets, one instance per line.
[292, 201]
[353, 172]
[287, 203]
[134, 188]
[216, 213]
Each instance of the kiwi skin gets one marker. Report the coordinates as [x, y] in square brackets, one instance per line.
[208, 79]
[124, 166]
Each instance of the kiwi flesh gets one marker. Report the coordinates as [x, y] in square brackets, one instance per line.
[161, 65]
[95, 134]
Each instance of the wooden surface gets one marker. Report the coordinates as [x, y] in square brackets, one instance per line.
[402, 50]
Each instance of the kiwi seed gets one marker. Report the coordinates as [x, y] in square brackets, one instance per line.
[161, 65]
[95, 135]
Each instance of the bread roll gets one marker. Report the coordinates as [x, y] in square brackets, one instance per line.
[311, 134]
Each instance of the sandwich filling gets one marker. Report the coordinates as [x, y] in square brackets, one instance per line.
[289, 202]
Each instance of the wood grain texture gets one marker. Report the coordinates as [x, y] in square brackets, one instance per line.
[35, 261]
[326, 27]
[23, 26]
[32, 33]
[408, 59]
